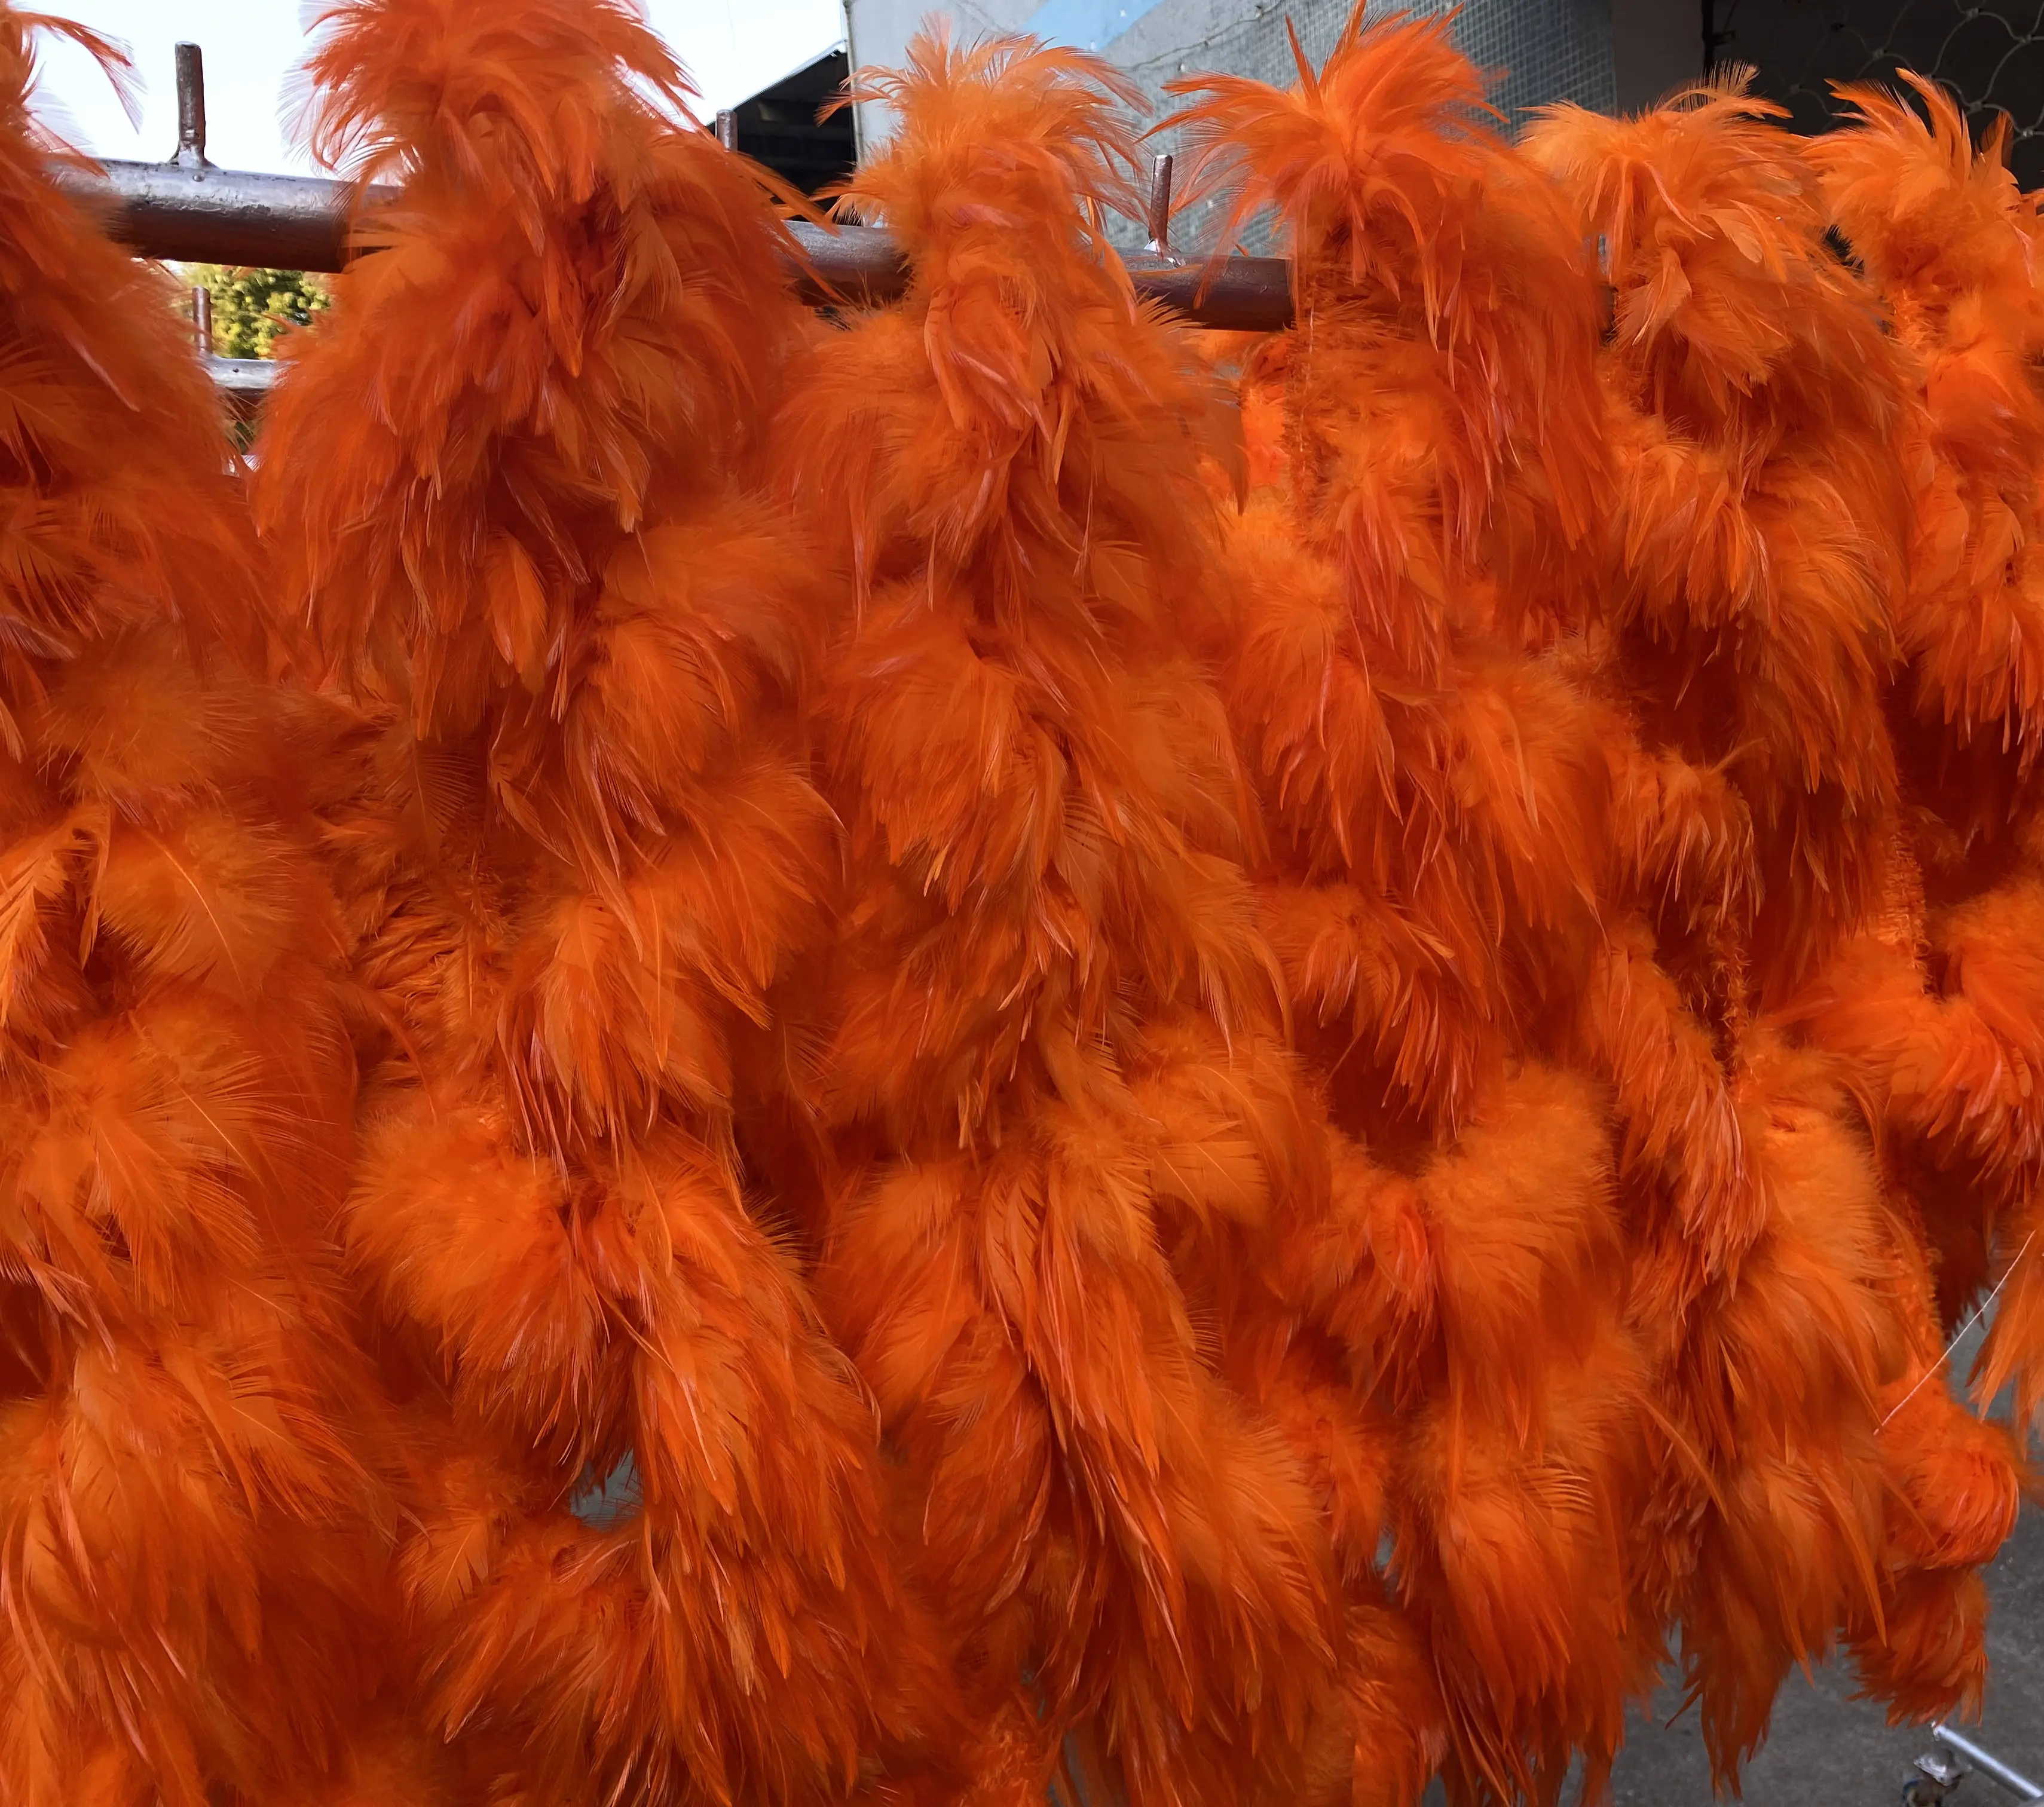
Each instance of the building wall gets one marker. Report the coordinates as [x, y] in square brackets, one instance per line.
[1544, 50]
[1656, 46]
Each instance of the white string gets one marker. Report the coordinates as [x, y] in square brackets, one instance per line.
[1960, 1338]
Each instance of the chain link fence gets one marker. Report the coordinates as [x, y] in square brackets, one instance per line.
[1991, 56]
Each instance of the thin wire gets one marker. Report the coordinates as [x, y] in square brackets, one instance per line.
[1960, 1337]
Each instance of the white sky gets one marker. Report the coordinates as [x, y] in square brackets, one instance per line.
[732, 48]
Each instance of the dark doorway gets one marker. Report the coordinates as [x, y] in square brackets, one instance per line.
[777, 127]
[1991, 56]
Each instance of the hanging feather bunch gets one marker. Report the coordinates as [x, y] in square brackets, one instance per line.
[984, 1050]
[1049, 1076]
[194, 1538]
[513, 491]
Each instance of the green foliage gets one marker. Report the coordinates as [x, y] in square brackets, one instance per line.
[253, 309]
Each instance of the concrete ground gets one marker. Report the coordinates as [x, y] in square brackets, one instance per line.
[1827, 1750]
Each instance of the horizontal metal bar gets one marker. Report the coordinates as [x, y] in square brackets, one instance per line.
[190, 212]
[1231, 294]
[243, 379]
[857, 264]
[2017, 1783]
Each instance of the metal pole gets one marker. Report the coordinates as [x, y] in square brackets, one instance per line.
[283, 222]
[727, 128]
[201, 299]
[1989, 1764]
[851, 70]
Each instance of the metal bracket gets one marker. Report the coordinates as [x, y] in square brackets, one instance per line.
[1945, 1772]
[1937, 1780]
[191, 109]
[1159, 219]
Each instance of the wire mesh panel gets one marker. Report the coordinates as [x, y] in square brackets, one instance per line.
[1537, 51]
[1991, 56]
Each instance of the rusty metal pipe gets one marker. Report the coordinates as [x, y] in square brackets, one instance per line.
[188, 211]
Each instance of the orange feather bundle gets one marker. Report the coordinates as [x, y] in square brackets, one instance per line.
[1949, 243]
[1760, 535]
[1938, 1007]
[189, 1551]
[1048, 1070]
[508, 482]
[933, 1068]
[1403, 669]
[1760, 499]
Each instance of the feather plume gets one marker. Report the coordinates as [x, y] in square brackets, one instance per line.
[192, 1534]
[1045, 1066]
[580, 850]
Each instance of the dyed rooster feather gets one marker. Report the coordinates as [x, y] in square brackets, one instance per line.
[1049, 1073]
[1945, 241]
[190, 1556]
[1949, 245]
[1410, 585]
[990, 1049]
[508, 483]
[1760, 540]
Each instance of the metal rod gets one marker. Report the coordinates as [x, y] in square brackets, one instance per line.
[188, 211]
[1989, 1764]
[191, 105]
[862, 265]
